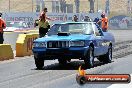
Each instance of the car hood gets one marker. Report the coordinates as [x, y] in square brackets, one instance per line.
[66, 38]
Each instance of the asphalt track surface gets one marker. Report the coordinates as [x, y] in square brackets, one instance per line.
[120, 35]
[22, 73]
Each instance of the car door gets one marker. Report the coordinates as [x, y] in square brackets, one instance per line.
[99, 39]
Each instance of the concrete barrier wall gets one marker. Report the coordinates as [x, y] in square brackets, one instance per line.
[24, 44]
[6, 52]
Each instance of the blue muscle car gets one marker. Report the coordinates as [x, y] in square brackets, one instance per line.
[74, 40]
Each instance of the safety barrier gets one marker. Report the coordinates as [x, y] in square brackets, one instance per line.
[24, 44]
[6, 52]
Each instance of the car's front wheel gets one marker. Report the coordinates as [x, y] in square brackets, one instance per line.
[39, 62]
[106, 58]
[89, 58]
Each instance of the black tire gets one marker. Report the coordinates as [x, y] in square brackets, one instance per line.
[39, 62]
[81, 80]
[100, 58]
[106, 58]
[89, 58]
[62, 61]
[108, 55]
[68, 60]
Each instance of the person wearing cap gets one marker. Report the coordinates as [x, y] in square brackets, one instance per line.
[104, 22]
[2, 26]
[75, 18]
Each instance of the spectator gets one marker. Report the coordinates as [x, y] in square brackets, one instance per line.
[43, 15]
[87, 19]
[43, 23]
[2, 26]
[75, 18]
[104, 23]
[43, 27]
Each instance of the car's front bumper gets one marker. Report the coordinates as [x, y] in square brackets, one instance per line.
[55, 53]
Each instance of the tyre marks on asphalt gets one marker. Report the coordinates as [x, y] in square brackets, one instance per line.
[121, 49]
[29, 79]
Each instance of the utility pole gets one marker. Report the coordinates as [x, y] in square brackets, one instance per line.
[37, 6]
[43, 4]
[91, 6]
[107, 6]
[97, 5]
[129, 8]
[77, 4]
[32, 5]
[9, 6]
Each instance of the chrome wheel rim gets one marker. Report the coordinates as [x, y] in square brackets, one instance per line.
[91, 57]
[110, 54]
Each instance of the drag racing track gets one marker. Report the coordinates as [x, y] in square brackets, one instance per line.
[22, 73]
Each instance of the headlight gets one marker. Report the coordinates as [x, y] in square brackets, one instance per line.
[39, 44]
[77, 43]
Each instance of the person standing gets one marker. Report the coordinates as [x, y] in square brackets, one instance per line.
[87, 19]
[75, 18]
[43, 14]
[44, 26]
[2, 26]
[104, 22]
[43, 23]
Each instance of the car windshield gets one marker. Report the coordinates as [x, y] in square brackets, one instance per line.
[16, 24]
[72, 28]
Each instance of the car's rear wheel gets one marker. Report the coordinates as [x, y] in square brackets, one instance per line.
[89, 58]
[39, 62]
[106, 58]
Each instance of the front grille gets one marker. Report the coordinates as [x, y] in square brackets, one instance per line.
[57, 44]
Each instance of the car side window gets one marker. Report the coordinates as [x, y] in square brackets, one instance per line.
[89, 29]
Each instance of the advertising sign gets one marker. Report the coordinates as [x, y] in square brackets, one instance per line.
[120, 22]
[27, 19]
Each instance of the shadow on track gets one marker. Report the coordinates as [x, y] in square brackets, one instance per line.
[73, 65]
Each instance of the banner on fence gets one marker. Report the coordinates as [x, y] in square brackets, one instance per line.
[120, 22]
[28, 18]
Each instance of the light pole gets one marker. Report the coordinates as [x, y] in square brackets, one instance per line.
[32, 5]
[97, 5]
[9, 5]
